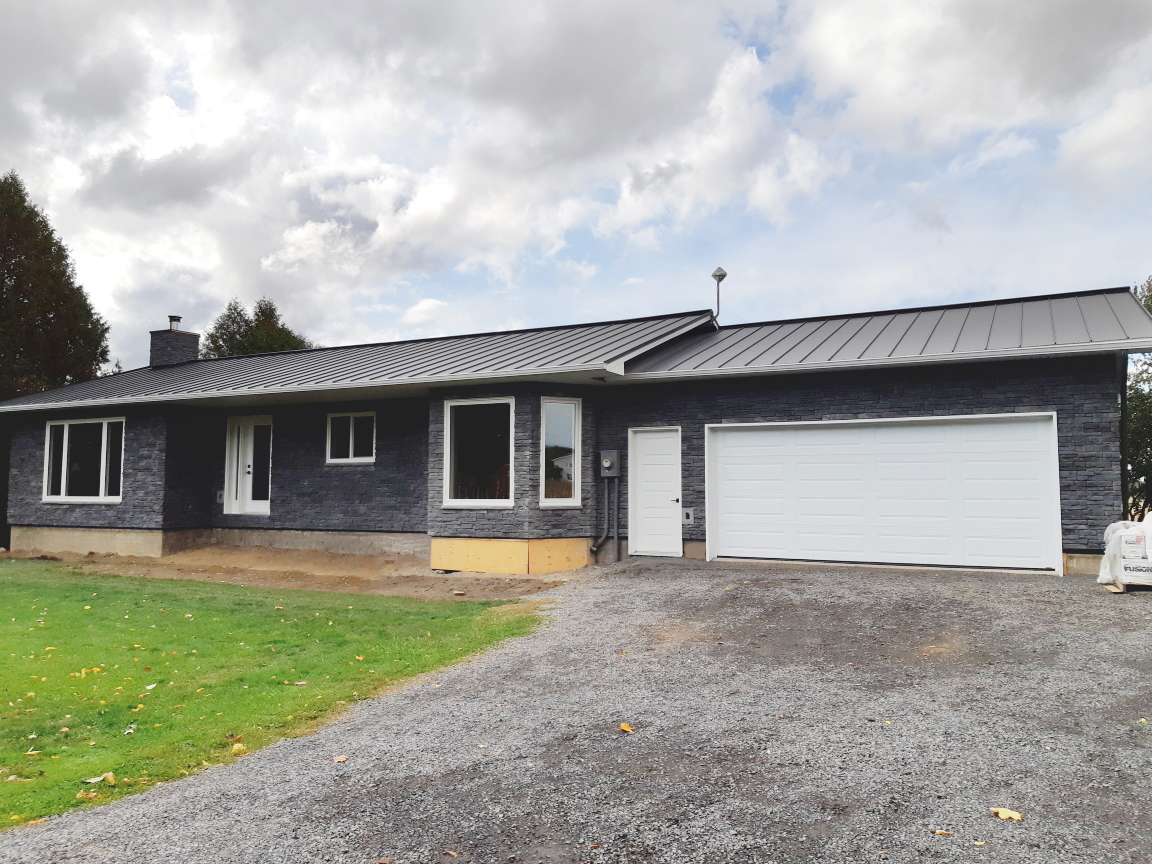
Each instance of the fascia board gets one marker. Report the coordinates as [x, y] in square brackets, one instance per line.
[1127, 346]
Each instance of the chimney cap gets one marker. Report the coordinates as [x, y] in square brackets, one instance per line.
[174, 322]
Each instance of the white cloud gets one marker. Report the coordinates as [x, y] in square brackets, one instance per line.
[352, 160]
[426, 311]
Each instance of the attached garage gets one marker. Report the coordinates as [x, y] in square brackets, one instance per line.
[973, 491]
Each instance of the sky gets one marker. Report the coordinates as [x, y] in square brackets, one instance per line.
[388, 170]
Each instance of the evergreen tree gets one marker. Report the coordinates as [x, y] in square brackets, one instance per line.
[236, 332]
[49, 333]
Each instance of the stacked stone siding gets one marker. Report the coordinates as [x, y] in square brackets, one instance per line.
[526, 519]
[308, 494]
[1083, 391]
[142, 492]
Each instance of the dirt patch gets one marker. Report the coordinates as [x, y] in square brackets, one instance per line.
[392, 575]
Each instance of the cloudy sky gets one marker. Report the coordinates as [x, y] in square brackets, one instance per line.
[395, 169]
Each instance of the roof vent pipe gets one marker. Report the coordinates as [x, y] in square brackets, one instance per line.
[718, 274]
[174, 322]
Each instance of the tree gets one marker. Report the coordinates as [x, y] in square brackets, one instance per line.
[236, 332]
[49, 333]
[1138, 424]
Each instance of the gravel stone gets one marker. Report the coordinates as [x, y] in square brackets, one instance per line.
[782, 714]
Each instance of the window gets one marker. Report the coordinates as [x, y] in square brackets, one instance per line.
[83, 460]
[478, 453]
[352, 438]
[560, 452]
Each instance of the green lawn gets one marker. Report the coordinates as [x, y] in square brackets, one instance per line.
[150, 680]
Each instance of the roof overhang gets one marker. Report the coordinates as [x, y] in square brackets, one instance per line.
[1126, 346]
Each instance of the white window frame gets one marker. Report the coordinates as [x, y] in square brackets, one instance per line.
[479, 503]
[350, 460]
[83, 499]
[577, 456]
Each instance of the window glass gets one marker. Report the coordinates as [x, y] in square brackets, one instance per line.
[85, 442]
[481, 452]
[114, 459]
[56, 459]
[338, 436]
[560, 458]
[261, 461]
[363, 436]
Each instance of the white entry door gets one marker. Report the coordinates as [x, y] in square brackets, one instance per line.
[977, 491]
[248, 465]
[654, 512]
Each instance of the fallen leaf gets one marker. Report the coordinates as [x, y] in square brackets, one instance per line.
[340, 758]
[977, 842]
[450, 852]
[150, 687]
[943, 833]
[626, 728]
[1006, 814]
[239, 748]
[83, 795]
[359, 656]
[301, 683]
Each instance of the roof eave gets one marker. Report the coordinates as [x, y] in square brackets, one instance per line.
[318, 390]
[1126, 346]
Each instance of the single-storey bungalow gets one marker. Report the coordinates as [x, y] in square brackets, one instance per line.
[970, 435]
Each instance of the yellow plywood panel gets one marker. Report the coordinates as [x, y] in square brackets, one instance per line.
[557, 554]
[478, 555]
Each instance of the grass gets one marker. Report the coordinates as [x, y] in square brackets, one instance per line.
[149, 680]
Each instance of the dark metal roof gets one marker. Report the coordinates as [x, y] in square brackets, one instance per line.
[362, 369]
[1085, 322]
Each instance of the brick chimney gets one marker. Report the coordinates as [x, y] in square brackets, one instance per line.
[173, 345]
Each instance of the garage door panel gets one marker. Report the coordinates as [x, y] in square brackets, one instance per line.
[930, 547]
[818, 507]
[911, 470]
[942, 491]
[909, 508]
[832, 542]
[827, 470]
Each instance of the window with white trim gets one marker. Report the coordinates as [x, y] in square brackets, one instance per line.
[478, 452]
[559, 452]
[84, 460]
[352, 438]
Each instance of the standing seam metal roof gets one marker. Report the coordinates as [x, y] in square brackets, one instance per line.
[507, 354]
[1109, 320]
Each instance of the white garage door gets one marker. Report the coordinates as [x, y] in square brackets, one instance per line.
[973, 491]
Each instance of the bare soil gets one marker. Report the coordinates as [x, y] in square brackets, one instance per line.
[393, 575]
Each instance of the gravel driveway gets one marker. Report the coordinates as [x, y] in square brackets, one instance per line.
[781, 714]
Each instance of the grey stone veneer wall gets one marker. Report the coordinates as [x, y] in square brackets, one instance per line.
[143, 480]
[308, 495]
[1082, 391]
[526, 519]
[174, 466]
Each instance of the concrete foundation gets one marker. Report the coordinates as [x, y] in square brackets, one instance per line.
[1081, 565]
[148, 543]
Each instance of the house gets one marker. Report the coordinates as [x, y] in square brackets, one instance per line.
[976, 435]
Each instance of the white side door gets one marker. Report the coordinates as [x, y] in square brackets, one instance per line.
[654, 512]
[248, 465]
